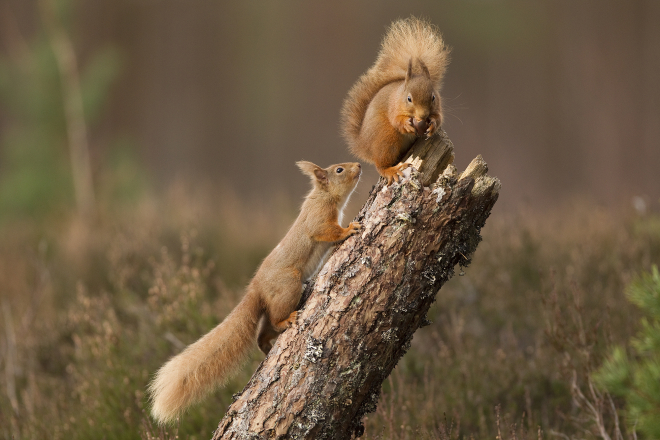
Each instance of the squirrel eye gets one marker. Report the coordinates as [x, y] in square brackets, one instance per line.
[409, 98]
[339, 170]
[433, 97]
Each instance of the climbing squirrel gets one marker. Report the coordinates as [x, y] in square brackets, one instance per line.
[268, 307]
[398, 98]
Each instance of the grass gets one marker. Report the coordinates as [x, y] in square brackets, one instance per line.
[90, 311]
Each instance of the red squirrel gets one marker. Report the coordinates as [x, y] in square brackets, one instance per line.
[268, 307]
[398, 98]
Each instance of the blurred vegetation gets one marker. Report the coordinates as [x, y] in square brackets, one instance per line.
[90, 312]
[523, 331]
[636, 379]
[36, 176]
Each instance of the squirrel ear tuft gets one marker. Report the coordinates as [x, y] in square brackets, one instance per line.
[312, 170]
[424, 68]
[307, 167]
[409, 71]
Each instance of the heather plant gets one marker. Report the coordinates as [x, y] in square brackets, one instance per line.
[89, 316]
[635, 378]
[90, 312]
[524, 328]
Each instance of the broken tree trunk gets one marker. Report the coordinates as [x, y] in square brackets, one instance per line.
[360, 313]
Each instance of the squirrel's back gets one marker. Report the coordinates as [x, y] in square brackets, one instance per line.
[410, 38]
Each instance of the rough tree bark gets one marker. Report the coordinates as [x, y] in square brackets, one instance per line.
[359, 315]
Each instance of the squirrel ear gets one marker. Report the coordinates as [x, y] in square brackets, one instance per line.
[321, 175]
[409, 71]
[424, 68]
[312, 170]
[307, 167]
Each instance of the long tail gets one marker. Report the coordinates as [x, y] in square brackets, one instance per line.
[410, 38]
[205, 364]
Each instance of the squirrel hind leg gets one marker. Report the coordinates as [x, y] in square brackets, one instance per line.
[269, 331]
[394, 173]
[266, 333]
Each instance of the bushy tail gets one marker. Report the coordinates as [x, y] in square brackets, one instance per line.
[410, 38]
[206, 364]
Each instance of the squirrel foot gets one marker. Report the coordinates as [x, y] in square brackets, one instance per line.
[288, 322]
[394, 173]
[354, 227]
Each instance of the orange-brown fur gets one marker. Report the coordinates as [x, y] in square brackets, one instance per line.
[378, 122]
[271, 297]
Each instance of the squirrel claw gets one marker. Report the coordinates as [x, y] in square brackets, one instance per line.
[405, 125]
[393, 178]
[355, 227]
[433, 127]
[292, 319]
[394, 173]
[409, 126]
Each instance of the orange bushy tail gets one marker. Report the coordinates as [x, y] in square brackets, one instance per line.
[205, 364]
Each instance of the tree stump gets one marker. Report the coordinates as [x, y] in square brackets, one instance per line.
[361, 311]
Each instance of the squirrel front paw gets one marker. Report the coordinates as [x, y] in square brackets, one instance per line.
[409, 126]
[404, 124]
[433, 127]
[354, 227]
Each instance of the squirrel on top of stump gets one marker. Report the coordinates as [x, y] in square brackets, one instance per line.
[398, 98]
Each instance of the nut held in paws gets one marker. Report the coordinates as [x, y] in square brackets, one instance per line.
[420, 126]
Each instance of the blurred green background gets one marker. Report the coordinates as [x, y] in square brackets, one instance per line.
[562, 98]
[147, 153]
